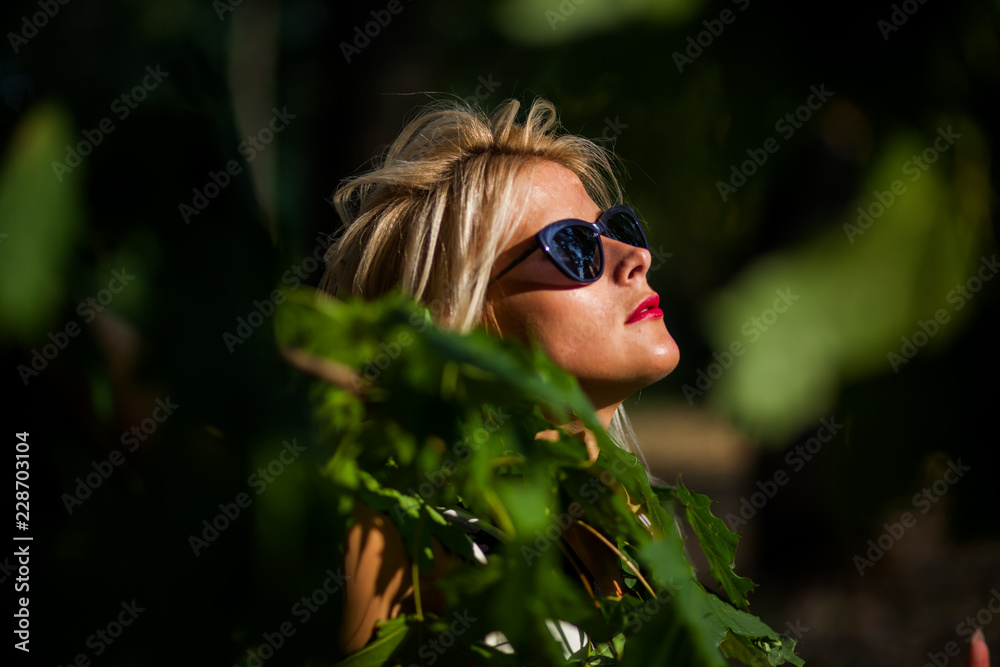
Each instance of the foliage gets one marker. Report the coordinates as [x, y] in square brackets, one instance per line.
[425, 420]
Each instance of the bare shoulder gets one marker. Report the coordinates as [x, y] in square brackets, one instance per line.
[379, 581]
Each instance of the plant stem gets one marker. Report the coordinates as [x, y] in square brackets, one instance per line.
[628, 562]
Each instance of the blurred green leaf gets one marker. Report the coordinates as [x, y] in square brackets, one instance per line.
[831, 309]
[41, 217]
[557, 21]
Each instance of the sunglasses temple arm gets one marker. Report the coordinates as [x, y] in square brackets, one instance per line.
[523, 256]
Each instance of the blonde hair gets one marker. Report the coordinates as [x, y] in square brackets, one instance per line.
[442, 203]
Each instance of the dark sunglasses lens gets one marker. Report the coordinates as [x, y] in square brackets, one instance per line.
[578, 250]
[625, 228]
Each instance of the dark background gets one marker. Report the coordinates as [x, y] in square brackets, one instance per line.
[611, 70]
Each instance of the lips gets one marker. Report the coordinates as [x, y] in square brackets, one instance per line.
[647, 309]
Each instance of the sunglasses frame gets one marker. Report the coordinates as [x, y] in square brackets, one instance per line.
[545, 236]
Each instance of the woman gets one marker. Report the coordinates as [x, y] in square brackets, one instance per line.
[452, 216]
[491, 223]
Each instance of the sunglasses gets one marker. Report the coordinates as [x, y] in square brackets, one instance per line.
[575, 246]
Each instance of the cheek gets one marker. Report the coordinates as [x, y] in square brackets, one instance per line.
[520, 316]
[505, 318]
[566, 323]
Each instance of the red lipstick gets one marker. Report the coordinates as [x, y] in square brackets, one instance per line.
[645, 310]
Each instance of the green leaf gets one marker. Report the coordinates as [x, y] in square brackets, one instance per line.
[388, 638]
[448, 421]
[718, 543]
[40, 221]
[715, 626]
[748, 638]
[843, 296]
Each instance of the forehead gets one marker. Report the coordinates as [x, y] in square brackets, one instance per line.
[555, 193]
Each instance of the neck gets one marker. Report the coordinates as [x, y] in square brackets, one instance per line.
[605, 413]
[605, 398]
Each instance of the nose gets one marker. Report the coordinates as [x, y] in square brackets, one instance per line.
[625, 263]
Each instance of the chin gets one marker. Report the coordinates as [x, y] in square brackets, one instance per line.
[657, 375]
[607, 390]
[669, 355]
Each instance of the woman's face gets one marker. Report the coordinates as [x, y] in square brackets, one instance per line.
[585, 328]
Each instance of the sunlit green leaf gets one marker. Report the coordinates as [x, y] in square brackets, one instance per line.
[718, 543]
[445, 429]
